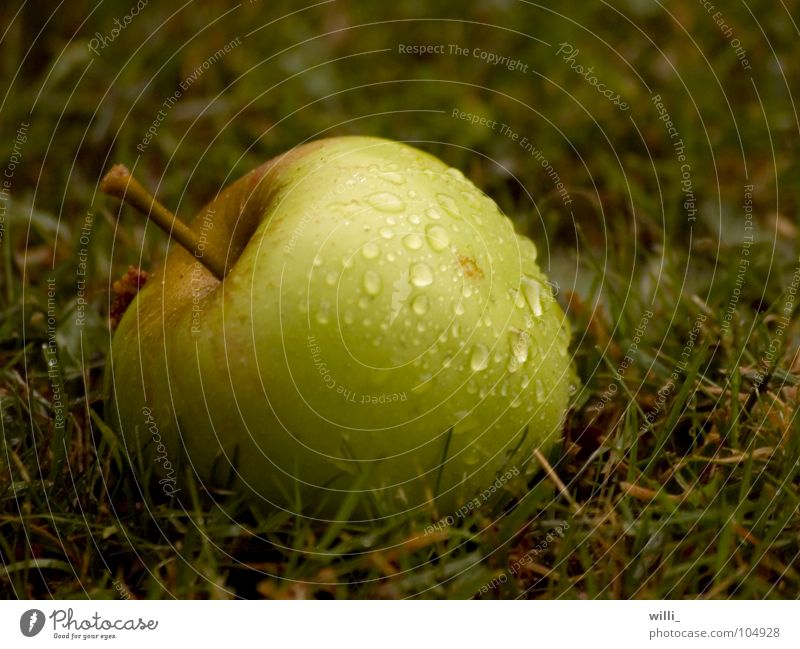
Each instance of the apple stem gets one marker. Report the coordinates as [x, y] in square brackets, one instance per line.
[119, 182]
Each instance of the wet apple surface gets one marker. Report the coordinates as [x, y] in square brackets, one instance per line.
[379, 327]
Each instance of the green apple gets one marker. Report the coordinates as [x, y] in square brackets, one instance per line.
[351, 327]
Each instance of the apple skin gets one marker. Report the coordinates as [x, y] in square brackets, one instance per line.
[381, 329]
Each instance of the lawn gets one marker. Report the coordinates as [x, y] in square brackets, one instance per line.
[651, 152]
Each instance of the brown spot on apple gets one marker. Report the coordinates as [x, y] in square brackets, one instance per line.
[124, 290]
[470, 267]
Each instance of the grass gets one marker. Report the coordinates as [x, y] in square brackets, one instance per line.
[678, 476]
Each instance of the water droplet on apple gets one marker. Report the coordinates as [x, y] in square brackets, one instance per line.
[330, 278]
[471, 199]
[415, 219]
[394, 177]
[433, 213]
[324, 314]
[459, 309]
[539, 390]
[437, 237]
[386, 233]
[480, 358]
[372, 282]
[519, 342]
[420, 304]
[533, 294]
[386, 202]
[351, 207]
[421, 275]
[455, 174]
[448, 204]
[412, 241]
[370, 250]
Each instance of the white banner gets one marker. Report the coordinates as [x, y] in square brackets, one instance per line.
[405, 624]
